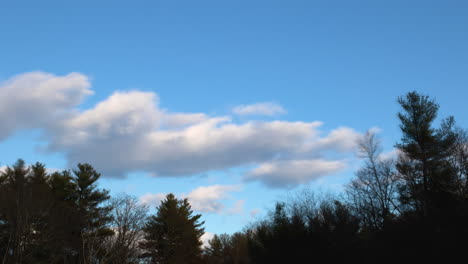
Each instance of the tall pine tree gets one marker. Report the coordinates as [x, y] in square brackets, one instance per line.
[424, 166]
[172, 236]
[94, 217]
[434, 215]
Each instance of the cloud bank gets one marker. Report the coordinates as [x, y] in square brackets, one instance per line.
[129, 132]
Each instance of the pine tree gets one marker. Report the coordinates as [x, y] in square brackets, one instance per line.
[424, 164]
[14, 212]
[172, 236]
[434, 213]
[227, 249]
[25, 207]
[38, 174]
[219, 250]
[65, 219]
[94, 217]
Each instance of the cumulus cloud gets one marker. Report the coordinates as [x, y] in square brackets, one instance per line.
[267, 109]
[207, 199]
[129, 138]
[289, 173]
[123, 113]
[34, 100]
[129, 132]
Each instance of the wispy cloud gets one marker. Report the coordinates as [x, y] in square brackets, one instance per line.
[281, 174]
[267, 109]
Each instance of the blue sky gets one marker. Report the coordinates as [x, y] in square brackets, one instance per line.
[218, 100]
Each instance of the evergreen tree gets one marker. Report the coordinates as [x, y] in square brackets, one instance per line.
[428, 177]
[227, 249]
[51, 219]
[218, 250]
[38, 174]
[94, 217]
[433, 211]
[327, 233]
[14, 213]
[172, 236]
[65, 219]
[25, 208]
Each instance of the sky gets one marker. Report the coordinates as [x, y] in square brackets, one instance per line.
[231, 104]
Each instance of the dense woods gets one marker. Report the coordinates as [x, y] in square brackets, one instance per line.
[410, 207]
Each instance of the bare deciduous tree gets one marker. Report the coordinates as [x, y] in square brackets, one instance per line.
[373, 193]
[459, 160]
[129, 218]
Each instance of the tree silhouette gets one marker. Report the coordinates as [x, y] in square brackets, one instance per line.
[372, 194]
[94, 217]
[430, 183]
[427, 175]
[172, 235]
[227, 249]
[25, 210]
[129, 218]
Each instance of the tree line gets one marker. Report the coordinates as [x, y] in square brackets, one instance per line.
[63, 217]
[411, 207]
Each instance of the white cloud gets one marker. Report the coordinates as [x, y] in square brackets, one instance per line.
[129, 132]
[128, 138]
[208, 198]
[151, 199]
[289, 173]
[123, 113]
[341, 139]
[34, 100]
[267, 109]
